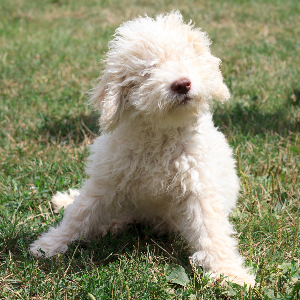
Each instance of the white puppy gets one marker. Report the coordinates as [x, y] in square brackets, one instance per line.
[159, 160]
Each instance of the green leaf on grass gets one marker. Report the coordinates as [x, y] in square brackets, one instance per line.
[176, 274]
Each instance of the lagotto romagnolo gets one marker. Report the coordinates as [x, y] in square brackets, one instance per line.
[159, 159]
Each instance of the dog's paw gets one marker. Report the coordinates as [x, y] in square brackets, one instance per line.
[60, 200]
[44, 247]
[231, 270]
[240, 277]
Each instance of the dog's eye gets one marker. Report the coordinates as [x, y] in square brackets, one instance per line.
[148, 71]
[145, 73]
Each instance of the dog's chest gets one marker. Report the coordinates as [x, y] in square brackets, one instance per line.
[158, 159]
[160, 167]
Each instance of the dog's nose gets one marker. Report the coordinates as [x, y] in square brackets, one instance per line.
[181, 86]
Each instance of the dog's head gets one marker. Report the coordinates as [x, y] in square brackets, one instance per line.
[159, 71]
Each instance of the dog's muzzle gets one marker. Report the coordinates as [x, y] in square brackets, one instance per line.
[181, 87]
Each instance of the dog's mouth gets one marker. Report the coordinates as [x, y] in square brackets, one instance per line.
[185, 100]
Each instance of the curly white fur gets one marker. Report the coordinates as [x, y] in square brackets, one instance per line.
[159, 160]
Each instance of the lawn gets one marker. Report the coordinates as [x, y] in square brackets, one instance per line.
[50, 56]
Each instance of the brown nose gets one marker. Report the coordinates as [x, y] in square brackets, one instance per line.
[181, 86]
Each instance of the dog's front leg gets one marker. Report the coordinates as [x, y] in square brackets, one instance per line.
[207, 229]
[88, 216]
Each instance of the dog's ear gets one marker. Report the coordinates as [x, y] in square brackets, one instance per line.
[222, 93]
[200, 42]
[109, 100]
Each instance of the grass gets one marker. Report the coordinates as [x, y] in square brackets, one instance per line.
[50, 56]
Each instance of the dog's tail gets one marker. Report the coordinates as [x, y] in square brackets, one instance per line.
[60, 200]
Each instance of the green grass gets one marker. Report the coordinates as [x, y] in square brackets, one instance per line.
[50, 56]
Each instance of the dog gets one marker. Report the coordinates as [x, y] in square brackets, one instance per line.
[159, 159]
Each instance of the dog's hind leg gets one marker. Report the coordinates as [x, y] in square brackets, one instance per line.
[207, 229]
[60, 200]
[91, 214]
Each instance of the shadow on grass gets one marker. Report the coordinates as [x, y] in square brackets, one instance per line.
[251, 119]
[247, 119]
[69, 128]
[137, 240]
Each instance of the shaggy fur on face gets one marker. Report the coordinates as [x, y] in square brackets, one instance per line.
[159, 160]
